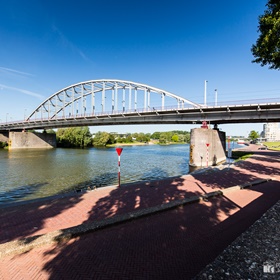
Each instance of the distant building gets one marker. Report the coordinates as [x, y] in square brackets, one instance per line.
[271, 132]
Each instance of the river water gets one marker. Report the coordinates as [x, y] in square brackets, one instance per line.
[31, 174]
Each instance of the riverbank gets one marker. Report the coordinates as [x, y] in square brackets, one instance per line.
[178, 242]
[144, 144]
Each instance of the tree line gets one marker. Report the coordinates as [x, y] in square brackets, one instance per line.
[82, 137]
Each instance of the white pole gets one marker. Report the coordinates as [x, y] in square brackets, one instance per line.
[205, 92]
[216, 97]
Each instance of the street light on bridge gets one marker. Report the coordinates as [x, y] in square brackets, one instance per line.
[205, 92]
[216, 97]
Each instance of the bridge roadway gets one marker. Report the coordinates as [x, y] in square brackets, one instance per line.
[246, 113]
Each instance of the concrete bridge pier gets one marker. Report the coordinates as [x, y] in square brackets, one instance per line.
[31, 140]
[207, 147]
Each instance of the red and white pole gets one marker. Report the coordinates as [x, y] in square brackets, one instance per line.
[119, 151]
[207, 154]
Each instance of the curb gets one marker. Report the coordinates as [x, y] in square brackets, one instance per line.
[58, 236]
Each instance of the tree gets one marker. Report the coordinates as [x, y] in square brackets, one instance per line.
[142, 137]
[73, 137]
[82, 137]
[267, 48]
[112, 139]
[187, 138]
[155, 135]
[101, 139]
[175, 138]
[253, 135]
[50, 131]
[3, 144]
[128, 139]
[163, 138]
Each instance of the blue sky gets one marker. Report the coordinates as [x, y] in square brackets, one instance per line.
[172, 45]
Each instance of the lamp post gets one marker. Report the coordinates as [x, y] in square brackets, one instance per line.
[205, 92]
[216, 97]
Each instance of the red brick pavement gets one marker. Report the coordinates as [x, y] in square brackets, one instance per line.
[173, 244]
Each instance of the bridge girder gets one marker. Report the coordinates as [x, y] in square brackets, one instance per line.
[250, 113]
[94, 96]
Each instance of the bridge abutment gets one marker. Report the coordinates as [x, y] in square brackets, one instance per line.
[31, 140]
[207, 147]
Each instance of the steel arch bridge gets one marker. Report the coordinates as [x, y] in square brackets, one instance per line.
[101, 97]
[119, 102]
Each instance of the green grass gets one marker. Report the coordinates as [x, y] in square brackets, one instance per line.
[241, 155]
[272, 145]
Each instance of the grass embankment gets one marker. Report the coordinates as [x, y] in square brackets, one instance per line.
[272, 145]
[241, 155]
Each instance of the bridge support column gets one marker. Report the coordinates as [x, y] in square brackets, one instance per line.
[207, 147]
[30, 140]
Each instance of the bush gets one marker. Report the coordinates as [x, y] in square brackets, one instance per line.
[240, 154]
[3, 145]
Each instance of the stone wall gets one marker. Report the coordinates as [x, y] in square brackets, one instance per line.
[202, 155]
[23, 140]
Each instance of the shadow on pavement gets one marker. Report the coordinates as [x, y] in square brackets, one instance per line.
[175, 244]
[27, 219]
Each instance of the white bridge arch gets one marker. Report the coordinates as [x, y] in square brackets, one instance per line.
[99, 97]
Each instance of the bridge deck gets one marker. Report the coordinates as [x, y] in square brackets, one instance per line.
[250, 113]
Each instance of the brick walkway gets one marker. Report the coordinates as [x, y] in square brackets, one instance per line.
[177, 243]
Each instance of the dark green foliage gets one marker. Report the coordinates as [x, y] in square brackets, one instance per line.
[155, 135]
[253, 135]
[50, 131]
[143, 137]
[3, 145]
[176, 136]
[101, 139]
[81, 137]
[267, 48]
[240, 154]
[73, 137]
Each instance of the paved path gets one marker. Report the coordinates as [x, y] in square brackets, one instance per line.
[176, 243]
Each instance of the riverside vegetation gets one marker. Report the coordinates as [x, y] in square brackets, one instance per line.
[81, 137]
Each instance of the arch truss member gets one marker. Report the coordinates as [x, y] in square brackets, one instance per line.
[101, 97]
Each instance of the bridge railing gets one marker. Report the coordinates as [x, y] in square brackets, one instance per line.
[248, 102]
[244, 102]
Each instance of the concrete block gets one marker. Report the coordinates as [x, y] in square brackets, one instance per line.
[207, 147]
[30, 140]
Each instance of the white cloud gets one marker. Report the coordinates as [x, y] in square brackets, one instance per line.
[24, 91]
[8, 70]
[66, 42]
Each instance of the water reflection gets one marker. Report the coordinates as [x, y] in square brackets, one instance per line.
[29, 174]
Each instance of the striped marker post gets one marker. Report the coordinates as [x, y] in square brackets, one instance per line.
[119, 151]
[207, 154]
